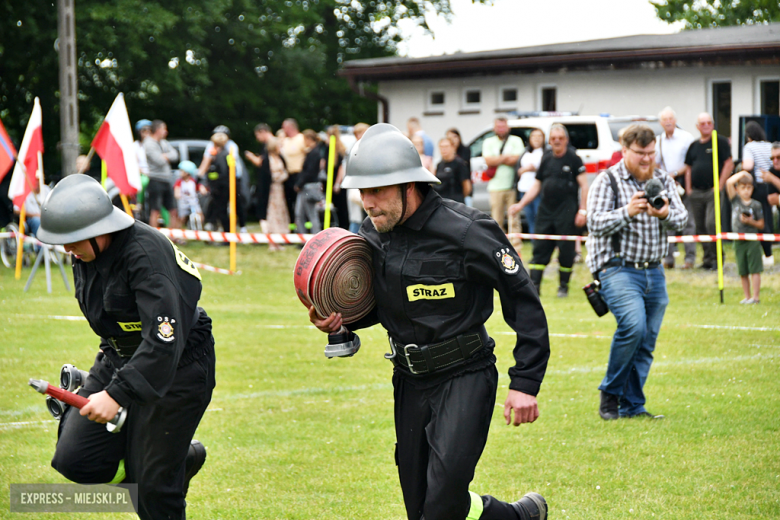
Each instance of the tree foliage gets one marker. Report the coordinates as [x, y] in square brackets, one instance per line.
[199, 63]
[698, 14]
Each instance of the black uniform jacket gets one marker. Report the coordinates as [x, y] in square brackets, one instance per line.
[143, 290]
[434, 277]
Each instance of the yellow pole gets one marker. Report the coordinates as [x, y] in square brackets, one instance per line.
[716, 190]
[20, 242]
[126, 204]
[103, 174]
[329, 189]
[232, 165]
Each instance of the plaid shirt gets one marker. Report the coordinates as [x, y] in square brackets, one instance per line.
[643, 238]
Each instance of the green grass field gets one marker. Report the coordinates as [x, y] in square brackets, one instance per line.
[293, 435]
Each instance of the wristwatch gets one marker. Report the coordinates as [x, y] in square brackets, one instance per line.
[583, 212]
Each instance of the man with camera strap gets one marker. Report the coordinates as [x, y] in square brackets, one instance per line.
[629, 269]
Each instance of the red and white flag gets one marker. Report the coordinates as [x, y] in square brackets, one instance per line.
[114, 144]
[26, 168]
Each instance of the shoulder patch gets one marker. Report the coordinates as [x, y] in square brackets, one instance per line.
[507, 260]
[183, 262]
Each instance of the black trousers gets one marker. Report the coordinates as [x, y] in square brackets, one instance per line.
[290, 195]
[153, 442]
[561, 223]
[761, 194]
[217, 210]
[440, 435]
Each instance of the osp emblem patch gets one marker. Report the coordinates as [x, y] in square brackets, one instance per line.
[165, 329]
[507, 260]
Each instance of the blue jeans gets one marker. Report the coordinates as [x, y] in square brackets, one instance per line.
[638, 300]
[530, 212]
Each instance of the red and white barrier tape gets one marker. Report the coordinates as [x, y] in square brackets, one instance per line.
[60, 249]
[214, 269]
[298, 238]
[239, 238]
[750, 237]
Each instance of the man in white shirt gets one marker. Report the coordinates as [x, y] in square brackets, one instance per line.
[671, 147]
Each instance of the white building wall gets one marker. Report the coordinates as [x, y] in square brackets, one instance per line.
[617, 92]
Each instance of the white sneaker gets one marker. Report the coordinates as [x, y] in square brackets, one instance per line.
[769, 261]
[242, 230]
[747, 301]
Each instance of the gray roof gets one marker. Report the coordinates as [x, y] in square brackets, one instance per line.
[758, 40]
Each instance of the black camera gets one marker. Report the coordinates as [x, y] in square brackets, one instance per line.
[747, 213]
[654, 193]
[595, 299]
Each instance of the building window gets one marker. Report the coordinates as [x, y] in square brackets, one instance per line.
[770, 98]
[472, 97]
[721, 107]
[548, 99]
[434, 101]
[508, 96]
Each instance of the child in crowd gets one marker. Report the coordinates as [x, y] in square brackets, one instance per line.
[746, 217]
[186, 192]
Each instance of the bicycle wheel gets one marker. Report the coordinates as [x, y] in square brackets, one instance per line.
[8, 247]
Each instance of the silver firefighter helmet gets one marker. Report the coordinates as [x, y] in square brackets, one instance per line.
[384, 157]
[78, 208]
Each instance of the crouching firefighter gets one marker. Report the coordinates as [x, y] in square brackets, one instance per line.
[140, 295]
[436, 263]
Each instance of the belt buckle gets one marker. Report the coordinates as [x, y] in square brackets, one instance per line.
[408, 359]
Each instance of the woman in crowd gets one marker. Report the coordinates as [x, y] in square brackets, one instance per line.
[277, 217]
[526, 169]
[756, 159]
[419, 144]
[453, 173]
[308, 186]
[461, 150]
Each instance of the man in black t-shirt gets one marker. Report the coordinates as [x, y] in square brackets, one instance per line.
[453, 173]
[560, 176]
[699, 183]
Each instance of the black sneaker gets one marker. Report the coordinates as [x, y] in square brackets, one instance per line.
[532, 506]
[608, 410]
[196, 458]
[563, 292]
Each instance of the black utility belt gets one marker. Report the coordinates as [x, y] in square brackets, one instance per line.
[126, 346]
[613, 262]
[426, 359]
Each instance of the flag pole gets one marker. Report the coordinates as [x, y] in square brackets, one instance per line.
[126, 204]
[20, 242]
[716, 190]
[232, 167]
[89, 159]
[329, 189]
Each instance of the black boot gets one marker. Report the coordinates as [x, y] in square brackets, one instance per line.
[196, 458]
[531, 507]
[563, 288]
[536, 279]
[609, 406]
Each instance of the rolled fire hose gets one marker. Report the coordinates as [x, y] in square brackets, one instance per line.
[334, 273]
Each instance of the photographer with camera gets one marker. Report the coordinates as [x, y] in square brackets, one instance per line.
[628, 217]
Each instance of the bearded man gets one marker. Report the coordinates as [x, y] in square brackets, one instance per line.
[626, 246]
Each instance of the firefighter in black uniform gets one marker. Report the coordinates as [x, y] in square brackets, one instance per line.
[139, 293]
[436, 264]
[560, 176]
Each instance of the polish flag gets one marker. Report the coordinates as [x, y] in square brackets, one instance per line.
[24, 176]
[114, 144]
[7, 152]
